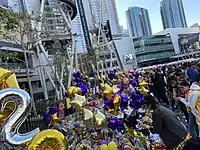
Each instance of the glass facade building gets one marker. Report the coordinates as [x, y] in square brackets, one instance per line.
[4, 3]
[172, 14]
[153, 50]
[138, 22]
[104, 10]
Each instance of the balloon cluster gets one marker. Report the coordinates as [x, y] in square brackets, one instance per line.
[51, 116]
[116, 109]
[112, 99]
[80, 81]
[111, 146]
[115, 124]
[91, 117]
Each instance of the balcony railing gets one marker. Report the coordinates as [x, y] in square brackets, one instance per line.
[14, 67]
[152, 49]
[152, 41]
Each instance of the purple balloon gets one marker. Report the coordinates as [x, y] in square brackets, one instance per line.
[124, 103]
[135, 105]
[53, 110]
[111, 75]
[120, 125]
[133, 83]
[108, 103]
[120, 87]
[136, 75]
[112, 123]
[83, 89]
[104, 142]
[77, 74]
[78, 79]
[137, 97]
[47, 116]
[127, 148]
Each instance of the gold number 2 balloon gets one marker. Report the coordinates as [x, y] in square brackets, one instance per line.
[9, 129]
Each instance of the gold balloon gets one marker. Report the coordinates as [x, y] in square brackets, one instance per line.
[143, 90]
[9, 109]
[104, 147]
[88, 117]
[71, 91]
[121, 75]
[79, 101]
[100, 119]
[77, 90]
[55, 120]
[143, 83]
[102, 86]
[116, 100]
[108, 91]
[7, 79]
[74, 90]
[112, 146]
[68, 105]
[115, 89]
[48, 139]
[101, 80]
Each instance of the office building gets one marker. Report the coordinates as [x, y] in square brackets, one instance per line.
[104, 10]
[161, 47]
[87, 5]
[172, 14]
[176, 33]
[151, 50]
[190, 45]
[82, 10]
[138, 22]
[126, 54]
[4, 3]
[80, 41]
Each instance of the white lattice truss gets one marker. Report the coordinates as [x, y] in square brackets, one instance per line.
[54, 24]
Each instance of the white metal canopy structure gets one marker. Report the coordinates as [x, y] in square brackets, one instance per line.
[55, 37]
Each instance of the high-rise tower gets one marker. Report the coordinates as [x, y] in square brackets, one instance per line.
[172, 13]
[138, 22]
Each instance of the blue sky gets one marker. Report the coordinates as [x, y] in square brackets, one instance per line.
[191, 7]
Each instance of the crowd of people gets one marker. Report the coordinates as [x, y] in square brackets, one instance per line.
[176, 88]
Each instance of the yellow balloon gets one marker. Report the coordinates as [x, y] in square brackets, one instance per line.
[71, 91]
[1, 116]
[100, 119]
[9, 109]
[143, 83]
[79, 101]
[115, 89]
[112, 146]
[7, 79]
[68, 105]
[77, 90]
[48, 139]
[108, 91]
[104, 147]
[143, 90]
[54, 119]
[88, 117]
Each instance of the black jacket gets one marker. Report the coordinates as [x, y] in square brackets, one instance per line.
[168, 126]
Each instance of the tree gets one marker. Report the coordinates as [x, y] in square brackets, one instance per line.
[16, 27]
